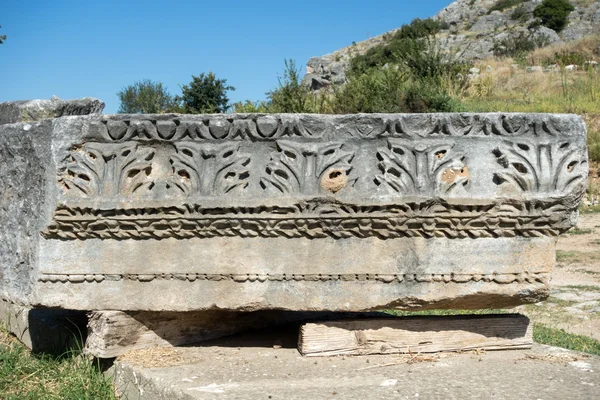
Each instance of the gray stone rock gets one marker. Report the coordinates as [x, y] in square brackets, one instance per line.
[552, 68]
[321, 72]
[35, 110]
[290, 212]
[315, 82]
[577, 30]
[546, 35]
[535, 69]
[488, 23]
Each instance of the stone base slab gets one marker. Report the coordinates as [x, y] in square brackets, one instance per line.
[251, 368]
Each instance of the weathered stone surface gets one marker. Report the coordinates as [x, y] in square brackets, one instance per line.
[489, 22]
[250, 368]
[35, 110]
[296, 212]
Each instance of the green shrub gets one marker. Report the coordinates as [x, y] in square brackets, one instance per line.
[554, 13]
[425, 97]
[502, 5]
[290, 96]
[377, 90]
[249, 106]
[520, 14]
[593, 141]
[418, 28]
[519, 45]
[420, 80]
[426, 61]
[569, 58]
[146, 97]
[205, 94]
[407, 37]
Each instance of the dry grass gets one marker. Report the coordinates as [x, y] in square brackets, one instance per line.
[587, 47]
[156, 357]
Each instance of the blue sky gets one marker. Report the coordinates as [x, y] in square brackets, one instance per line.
[78, 48]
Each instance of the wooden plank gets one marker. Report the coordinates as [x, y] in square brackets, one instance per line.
[112, 333]
[423, 334]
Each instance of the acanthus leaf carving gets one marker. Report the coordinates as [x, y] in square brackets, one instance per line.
[420, 169]
[133, 169]
[308, 168]
[541, 167]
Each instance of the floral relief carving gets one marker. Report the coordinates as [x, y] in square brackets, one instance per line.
[420, 169]
[308, 168]
[133, 169]
[541, 167]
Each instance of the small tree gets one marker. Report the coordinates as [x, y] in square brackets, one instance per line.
[205, 94]
[554, 13]
[290, 96]
[2, 37]
[146, 97]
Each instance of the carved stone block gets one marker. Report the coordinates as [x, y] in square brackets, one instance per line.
[294, 212]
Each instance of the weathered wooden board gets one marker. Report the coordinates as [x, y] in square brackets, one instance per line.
[112, 333]
[426, 334]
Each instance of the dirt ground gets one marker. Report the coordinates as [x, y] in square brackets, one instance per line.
[574, 304]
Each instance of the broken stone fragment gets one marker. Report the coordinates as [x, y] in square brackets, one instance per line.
[35, 110]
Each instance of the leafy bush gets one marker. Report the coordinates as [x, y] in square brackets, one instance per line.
[377, 90]
[419, 81]
[569, 58]
[418, 28]
[519, 45]
[406, 38]
[426, 61]
[554, 13]
[594, 146]
[205, 94]
[290, 96]
[520, 14]
[146, 97]
[502, 5]
[250, 106]
[426, 97]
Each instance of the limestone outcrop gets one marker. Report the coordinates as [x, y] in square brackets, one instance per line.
[286, 211]
[36, 110]
[471, 29]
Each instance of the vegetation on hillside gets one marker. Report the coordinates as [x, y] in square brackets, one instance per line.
[554, 13]
[519, 46]
[502, 5]
[404, 39]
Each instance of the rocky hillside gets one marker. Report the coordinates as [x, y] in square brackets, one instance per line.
[470, 28]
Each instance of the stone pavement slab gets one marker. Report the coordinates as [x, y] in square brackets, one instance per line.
[268, 366]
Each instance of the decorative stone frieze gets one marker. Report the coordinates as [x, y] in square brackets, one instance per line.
[284, 211]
